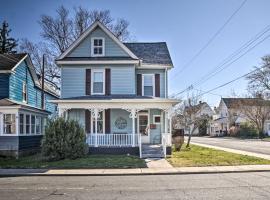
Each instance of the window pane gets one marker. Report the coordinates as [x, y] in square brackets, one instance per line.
[21, 123]
[100, 42]
[33, 124]
[148, 80]
[38, 123]
[148, 90]
[9, 124]
[100, 50]
[157, 119]
[27, 124]
[95, 42]
[95, 50]
[98, 88]
[98, 76]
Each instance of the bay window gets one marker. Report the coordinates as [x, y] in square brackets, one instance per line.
[21, 123]
[38, 125]
[27, 124]
[33, 124]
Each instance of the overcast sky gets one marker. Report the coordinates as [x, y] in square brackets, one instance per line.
[186, 26]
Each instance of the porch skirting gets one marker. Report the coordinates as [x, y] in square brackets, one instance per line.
[114, 150]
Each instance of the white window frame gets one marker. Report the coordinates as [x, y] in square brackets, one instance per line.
[92, 123]
[24, 92]
[154, 119]
[153, 82]
[92, 46]
[92, 81]
[3, 124]
[24, 131]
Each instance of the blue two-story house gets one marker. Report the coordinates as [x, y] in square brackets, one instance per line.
[118, 92]
[22, 115]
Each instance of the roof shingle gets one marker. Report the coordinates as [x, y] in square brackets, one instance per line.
[8, 61]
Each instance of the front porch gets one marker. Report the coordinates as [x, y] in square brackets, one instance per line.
[122, 123]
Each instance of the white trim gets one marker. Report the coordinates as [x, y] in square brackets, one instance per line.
[92, 81]
[154, 121]
[6, 71]
[88, 31]
[87, 62]
[92, 46]
[92, 123]
[154, 66]
[153, 82]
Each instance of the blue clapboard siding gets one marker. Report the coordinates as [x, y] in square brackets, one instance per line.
[84, 48]
[29, 142]
[4, 86]
[73, 79]
[9, 143]
[22, 74]
[162, 78]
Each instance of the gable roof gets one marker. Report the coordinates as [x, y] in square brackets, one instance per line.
[150, 53]
[235, 102]
[88, 31]
[10, 61]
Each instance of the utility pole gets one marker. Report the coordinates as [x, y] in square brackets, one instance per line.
[42, 83]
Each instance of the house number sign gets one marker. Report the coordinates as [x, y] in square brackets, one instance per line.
[120, 123]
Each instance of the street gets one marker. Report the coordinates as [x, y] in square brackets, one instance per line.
[255, 146]
[200, 186]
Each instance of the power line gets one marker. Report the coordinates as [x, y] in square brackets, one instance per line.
[211, 39]
[229, 82]
[232, 58]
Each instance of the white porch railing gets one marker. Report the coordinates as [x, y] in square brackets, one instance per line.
[113, 140]
[166, 140]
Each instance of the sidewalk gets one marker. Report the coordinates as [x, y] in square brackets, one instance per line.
[137, 171]
[259, 155]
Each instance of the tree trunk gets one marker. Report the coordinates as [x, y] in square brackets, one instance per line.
[189, 137]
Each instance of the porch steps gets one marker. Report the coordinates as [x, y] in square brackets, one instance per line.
[152, 151]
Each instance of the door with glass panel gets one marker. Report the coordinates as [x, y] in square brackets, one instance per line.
[143, 127]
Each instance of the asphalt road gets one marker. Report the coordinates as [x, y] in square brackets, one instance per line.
[201, 186]
[255, 146]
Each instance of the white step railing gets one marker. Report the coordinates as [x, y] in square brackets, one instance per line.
[140, 144]
[166, 140]
[113, 140]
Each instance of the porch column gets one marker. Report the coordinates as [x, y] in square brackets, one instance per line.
[133, 114]
[166, 122]
[95, 113]
[17, 122]
[1, 123]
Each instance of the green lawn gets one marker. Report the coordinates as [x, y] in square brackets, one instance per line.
[202, 156]
[266, 139]
[88, 162]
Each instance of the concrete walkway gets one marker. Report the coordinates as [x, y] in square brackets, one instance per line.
[259, 155]
[158, 163]
[137, 171]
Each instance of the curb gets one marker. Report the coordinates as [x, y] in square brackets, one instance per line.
[134, 174]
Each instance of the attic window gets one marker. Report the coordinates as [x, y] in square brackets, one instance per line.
[97, 47]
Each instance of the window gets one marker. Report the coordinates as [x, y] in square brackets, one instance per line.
[24, 92]
[148, 84]
[97, 47]
[21, 123]
[33, 124]
[38, 125]
[98, 86]
[100, 123]
[156, 119]
[27, 124]
[9, 124]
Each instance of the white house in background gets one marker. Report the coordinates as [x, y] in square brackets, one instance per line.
[117, 91]
[229, 114]
[201, 109]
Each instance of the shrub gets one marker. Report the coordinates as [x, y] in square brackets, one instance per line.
[63, 139]
[247, 131]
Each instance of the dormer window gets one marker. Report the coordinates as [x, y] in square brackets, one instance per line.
[97, 47]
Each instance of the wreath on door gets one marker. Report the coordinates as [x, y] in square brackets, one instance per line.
[120, 123]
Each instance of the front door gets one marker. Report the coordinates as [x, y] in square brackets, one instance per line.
[143, 127]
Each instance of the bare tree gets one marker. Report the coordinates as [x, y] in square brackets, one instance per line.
[60, 31]
[259, 81]
[256, 111]
[190, 115]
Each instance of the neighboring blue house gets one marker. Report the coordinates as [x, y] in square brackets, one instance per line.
[22, 118]
[118, 92]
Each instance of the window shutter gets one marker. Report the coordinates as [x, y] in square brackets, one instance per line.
[139, 84]
[88, 82]
[108, 81]
[157, 85]
[107, 121]
[87, 121]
